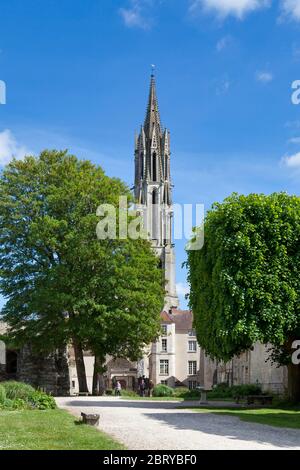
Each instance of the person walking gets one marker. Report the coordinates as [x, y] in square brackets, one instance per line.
[142, 388]
[118, 389]
[151, 386]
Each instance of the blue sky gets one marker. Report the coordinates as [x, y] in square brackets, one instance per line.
[77, 77]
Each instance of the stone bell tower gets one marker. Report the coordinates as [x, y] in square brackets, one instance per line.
[153, 190]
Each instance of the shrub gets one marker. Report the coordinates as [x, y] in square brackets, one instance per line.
[221, 390]
[224, 391]
[163, 391]
[244, 390]
[15, 390]
[17, 404]
[41, 400]
[186, 393]
[19, 395]
[7, 404]
[193, 393]
[2, 394]
[108, 392]
[180, 392]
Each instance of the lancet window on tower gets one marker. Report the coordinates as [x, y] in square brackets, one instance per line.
[142, 165]
[154, 167]
[154, 197]
[155, 215]
[166, 167]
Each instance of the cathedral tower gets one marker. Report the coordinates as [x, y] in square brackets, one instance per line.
[153, 190]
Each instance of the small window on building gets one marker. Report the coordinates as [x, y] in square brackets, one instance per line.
[192, 384]
[192, 333]
[73, 383]
[192, 367]
[164, 330]
[164, 382]
[164, 345]
[164, 367]
[192, 346]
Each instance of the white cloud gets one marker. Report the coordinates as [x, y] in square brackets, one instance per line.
[223, 43]
[223, 8]
[291, 9]
[182, 289]
[263, 76]
[10, 148]
[294, 140]
[292, 161]
[222, 87]
[135, 16]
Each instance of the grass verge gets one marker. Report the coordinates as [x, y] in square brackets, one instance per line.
[50, 430]
[278, 417]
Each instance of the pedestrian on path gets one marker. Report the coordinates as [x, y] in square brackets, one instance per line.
[118, 389]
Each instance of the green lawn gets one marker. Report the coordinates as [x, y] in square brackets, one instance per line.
[50, 429]
[279, 417]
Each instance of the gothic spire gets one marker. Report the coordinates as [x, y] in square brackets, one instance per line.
[152, 115]
[153, 190]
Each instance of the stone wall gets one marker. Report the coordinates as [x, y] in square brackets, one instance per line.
[254, 367]
[49, 373]
[263, 371]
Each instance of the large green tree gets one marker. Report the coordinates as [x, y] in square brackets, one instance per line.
[62, 284]
[245, 281]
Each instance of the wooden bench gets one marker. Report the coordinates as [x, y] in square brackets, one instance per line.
[263, 399]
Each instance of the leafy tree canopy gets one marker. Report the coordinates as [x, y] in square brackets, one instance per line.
[60, 281]
[245, 282]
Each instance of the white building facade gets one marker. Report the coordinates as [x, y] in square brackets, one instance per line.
[174, 359]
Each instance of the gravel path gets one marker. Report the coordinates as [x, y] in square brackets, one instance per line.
[162, 425]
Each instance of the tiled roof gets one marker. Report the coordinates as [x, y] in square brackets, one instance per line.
[183, 319]
[166, 317]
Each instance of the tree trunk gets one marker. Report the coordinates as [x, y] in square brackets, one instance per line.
[294, 383]
[101, 384]
[80, 367]
[98, 377]
[95, 379]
